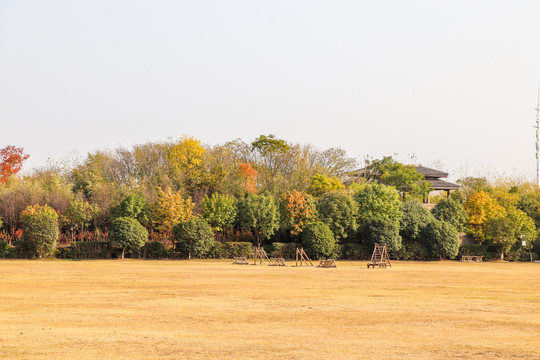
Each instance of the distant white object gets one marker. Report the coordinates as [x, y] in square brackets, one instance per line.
[523, 243]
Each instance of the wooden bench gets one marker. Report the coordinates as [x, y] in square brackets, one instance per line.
[327, 263]
[471, 258]
[240, 260]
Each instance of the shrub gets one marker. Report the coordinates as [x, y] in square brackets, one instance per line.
[414, 219]
[4, 249]
[413, 251]
[355, 251]
[40, 231]
[127, 234]
[86, 250]
[452, 212]
[236, 249]
[155, 250]
[318, 241]
[442, 239]
[193, 237]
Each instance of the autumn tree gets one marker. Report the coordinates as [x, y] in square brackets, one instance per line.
[11, 161]
[219, 211]
[481, 207]
[258, 214]
[297, 209]
[186, 161]
[321, 184]
[170, 209]
[249, 177]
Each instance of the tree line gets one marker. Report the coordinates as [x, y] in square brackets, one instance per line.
[185, 198]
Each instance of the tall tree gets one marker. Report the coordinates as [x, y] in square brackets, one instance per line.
[297, 210]
[170, 209]
[259, 214]
[339, 212]
[11, 161]
[481, 207]
[219, 211]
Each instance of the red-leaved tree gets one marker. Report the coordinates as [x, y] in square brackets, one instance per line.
[11, 161]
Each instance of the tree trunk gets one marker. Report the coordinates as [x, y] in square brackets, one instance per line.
[123, 254]
[502, 256]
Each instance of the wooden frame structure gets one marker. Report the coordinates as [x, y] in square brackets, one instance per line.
[327, 263]
[240, 260]
[379, 257]
[260, 254]
[302, 257]
[471, 258]
[277, 261]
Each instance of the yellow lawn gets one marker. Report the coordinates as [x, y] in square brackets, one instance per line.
[215, 310]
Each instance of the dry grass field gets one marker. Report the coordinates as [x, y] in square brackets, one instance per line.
[214, 310]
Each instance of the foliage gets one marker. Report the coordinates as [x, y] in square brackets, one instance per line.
[170, 209]
[377, 201]
[40, 231]
[127, 234]
[441, 238]
[134, 206]
[415, 217]
[11, 161]
[339, 212]
[355, 251]
[321, 184]
[249, 176]
[219, 211]
[4, 249]
[236, 249]
[452, 212]
[78, 215]
[259, 214]
[381, 231]
[86, 250]
[405, 178]
[318, 241]
[481, 207]
[297, 210]
[268, 144]
[194, 237]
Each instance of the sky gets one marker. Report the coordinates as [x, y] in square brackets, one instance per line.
[451, 84]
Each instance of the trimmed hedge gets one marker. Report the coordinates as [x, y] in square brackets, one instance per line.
[235, 249]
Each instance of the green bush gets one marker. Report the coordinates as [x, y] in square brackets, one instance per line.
[413, 251]
[127, 234]
[4, 249]
[339, 212]
[194, 237]
[155, 250]
[355, 251]
[478, 250]
[40, 231]
[318, 241]
[236, 249]
[442, 239]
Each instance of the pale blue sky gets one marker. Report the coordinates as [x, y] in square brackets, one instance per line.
[449, 81]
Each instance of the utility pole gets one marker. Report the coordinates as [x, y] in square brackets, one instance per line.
[537, 126]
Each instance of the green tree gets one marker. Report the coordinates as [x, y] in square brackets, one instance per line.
[405, 178]
[414, 219]
[40, 230]
[127, 234]
[219, 211]
[452, 212]
[339, 212]
[318, 241]
[134, 206]
[381, 231]
[377, 201]
[78, 215]
[321, 184]
[259, 214]
[297, 209]
[441, 238]
[194, 237]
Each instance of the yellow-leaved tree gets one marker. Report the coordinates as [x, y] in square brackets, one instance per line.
[170, 209]
[480, 208]
[187, 160]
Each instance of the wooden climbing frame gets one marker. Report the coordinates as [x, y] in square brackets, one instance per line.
[277, 261]
[260, 254]
[240, 260]
[379, 257]
[302, 257]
